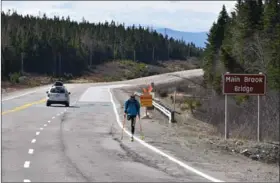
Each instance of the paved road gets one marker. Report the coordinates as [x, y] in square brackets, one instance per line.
[80, 143]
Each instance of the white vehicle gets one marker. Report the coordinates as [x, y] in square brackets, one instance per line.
[58, 95]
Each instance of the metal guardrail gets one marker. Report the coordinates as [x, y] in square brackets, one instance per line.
[165, 110]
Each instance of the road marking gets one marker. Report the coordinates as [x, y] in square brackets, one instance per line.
[49, 121]
[30, 151]
[45, 124]
[26, 180]
[10, 98]
[53, 117]
[58, 114]
[41, 128]
[157, 150]
[37, 133]
[33, 141]
[23, 106]
[26, 164]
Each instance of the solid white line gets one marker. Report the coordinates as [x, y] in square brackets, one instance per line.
[41, 128]
[26, 164]
[26, 180]
[159, 151]
[37, 133]
[53, 117]
[49, 121]
[45, 124]
[30, 151]
[18, 96]
[33, 141]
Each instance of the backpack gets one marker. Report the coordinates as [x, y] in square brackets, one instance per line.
[130, 102]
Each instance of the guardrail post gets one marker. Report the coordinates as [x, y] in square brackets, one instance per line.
[172, 119]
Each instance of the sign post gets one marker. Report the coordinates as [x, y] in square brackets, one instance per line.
[244, 84]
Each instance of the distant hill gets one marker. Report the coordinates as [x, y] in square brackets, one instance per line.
[198, 38]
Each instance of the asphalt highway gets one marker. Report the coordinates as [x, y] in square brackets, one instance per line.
[81, 143]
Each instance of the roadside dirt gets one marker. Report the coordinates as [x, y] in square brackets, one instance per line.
[195, 143]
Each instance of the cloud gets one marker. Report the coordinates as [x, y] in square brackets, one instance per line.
[179, 15]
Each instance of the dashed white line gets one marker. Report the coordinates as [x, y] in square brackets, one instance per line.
[58, 114]
[49, 121]
[30, 151]
[33, 141]
[26, 180]
[37, 133]
[53, 117]
[45, 124]
[41, 128]
[26, 164]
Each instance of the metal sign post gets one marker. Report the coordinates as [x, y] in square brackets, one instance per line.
[244, 84]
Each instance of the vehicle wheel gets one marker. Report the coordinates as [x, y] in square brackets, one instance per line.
[48, 104]
[67, 104]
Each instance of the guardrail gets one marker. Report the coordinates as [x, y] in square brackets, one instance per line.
[158, 105]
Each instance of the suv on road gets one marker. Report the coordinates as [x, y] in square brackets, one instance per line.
[58, 95]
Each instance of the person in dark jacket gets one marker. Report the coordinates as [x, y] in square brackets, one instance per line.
[131, 110]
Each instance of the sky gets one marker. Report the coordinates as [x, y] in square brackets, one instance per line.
[189, 16]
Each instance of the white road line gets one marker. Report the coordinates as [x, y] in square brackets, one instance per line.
[10, 98]
[58, 114]
[49, 121]
[53, 117]
[33, 141]
[26, 164]
[30, 151]
[45, 124]
[37, 133]
[159, 151]
[26, 180]
[41, 128]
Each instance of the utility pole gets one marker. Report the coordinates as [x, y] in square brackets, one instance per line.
[59, 54]
[22, 57]
[167, 44]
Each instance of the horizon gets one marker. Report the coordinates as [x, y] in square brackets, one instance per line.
[197, 16]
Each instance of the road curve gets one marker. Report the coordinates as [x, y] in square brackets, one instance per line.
[82, 143]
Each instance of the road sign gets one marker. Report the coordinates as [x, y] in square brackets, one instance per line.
[244, 84]
[146, 100]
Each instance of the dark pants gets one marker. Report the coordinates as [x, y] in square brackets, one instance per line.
[133, 120]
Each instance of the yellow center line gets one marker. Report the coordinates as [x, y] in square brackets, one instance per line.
[24, 106]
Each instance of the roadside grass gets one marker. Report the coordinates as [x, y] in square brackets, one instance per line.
[206, 120]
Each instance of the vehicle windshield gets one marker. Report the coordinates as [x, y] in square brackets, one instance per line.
[58, 90]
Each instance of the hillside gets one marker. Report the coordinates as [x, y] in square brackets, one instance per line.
[59, 46]
[198, 38]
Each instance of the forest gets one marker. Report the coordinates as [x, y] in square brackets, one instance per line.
[54, 46]
[245, 41]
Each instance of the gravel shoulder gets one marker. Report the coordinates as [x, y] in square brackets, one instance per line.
[190, 143]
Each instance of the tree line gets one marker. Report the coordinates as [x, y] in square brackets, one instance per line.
[59, 45]
[245, 41]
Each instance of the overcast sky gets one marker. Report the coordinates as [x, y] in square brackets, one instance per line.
[192, 16]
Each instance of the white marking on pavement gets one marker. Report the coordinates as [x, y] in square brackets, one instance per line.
[41, 128]
[49, 121]
[159, 151]
[37, 133]
[18, 96]
[26, 180]
[58, 114]
[33, 141]
[45, 124]
[30, 151]
[26, 164]
[53, 117]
